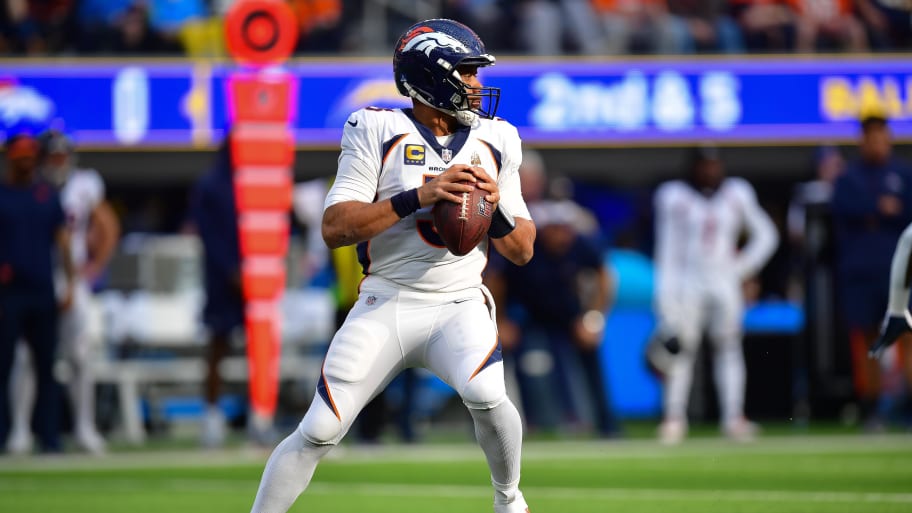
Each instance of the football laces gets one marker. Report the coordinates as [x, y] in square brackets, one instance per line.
[464, 207]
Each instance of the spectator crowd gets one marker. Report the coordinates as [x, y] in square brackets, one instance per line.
[525, 27]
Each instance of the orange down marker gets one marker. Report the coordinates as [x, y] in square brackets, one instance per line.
[261, 106]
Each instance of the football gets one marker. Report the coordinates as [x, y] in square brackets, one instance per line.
[462, 226]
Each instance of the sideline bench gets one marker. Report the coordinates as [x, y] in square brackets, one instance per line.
[148, 340]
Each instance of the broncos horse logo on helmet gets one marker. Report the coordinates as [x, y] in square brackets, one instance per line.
[425, 68]
[428, 42]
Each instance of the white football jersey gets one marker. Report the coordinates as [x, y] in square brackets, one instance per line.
[385, 152]
[697, 235]
[81, 193]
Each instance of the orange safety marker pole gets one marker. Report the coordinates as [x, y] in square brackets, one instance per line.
[261, 34]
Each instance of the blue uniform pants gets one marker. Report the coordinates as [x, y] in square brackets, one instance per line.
[32, 317]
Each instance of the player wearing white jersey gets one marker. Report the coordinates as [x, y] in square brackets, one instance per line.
[419, 305]
[402, 154]
[699, 275]
[82, 194]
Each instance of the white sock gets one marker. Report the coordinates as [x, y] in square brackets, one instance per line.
[22, 391]
[287, 473]
[677, 385]
[499, 433]
[82, 397]
[730, 376]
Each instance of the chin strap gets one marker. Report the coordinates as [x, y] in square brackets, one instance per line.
[465, 117]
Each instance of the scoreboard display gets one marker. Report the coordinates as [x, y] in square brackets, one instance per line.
[580, 103]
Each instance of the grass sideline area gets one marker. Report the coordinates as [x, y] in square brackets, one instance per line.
[832, 473]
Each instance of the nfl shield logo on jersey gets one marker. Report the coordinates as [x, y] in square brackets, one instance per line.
[446, 154]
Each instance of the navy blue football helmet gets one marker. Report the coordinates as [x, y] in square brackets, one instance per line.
[425, 66]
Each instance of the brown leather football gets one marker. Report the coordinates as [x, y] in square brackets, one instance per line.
[462, 226]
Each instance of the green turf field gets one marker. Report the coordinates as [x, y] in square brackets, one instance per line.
[781, 474]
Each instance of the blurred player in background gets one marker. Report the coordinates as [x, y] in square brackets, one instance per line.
[554, 336]
[810, 221]
[94, 230]
[214, 212]
[700, 273]
[419, 305]
[32, 228]
[872, 205]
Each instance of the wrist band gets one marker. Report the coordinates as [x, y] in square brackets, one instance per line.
[502, 223]
[406, 202]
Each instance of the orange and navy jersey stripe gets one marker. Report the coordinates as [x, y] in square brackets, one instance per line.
[388, 147]
[496, 155]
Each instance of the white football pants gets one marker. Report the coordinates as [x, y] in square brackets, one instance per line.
[718, 309]
[453, 335]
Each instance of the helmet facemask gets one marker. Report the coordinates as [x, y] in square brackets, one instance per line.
[487, 99]
[459, 103]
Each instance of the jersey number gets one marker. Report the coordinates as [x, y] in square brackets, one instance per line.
[709, 232]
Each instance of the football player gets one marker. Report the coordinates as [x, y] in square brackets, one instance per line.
[33, 232]
[870, 207]
[700, 271]
[419, 305]
[94, 232]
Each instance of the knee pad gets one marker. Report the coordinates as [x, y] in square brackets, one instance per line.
[486, 390]
[320, 425]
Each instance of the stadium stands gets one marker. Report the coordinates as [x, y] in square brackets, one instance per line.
[128, 27]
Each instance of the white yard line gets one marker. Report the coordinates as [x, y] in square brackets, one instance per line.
[532, 451]
[461, 492]
[642, 494]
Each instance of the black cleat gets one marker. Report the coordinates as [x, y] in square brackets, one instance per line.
[894, 326]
